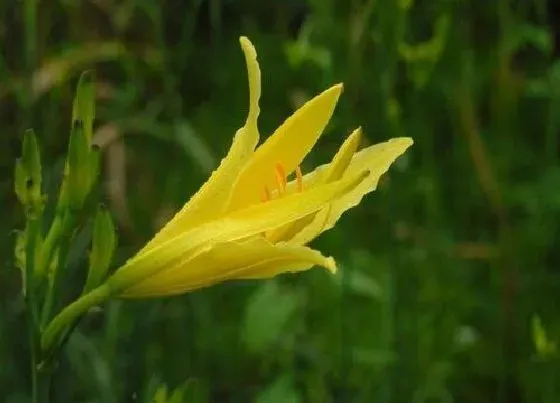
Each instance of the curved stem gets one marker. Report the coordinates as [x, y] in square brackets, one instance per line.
[31, 303]
[41, 381]
[69, 314]
[49, 245]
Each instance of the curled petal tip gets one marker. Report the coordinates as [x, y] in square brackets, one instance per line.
[247, 47]
[358, 132]
[330, 265]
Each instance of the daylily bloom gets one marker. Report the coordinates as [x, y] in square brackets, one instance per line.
[248, 221]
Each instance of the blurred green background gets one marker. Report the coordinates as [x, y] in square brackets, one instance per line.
[442, 269]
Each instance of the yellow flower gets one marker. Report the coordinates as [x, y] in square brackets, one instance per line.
[248, 221]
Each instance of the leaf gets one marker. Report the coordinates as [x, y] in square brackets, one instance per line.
[60, 67]
[268, 312]
[378, 359]
[533, 35]
[194, 146]
[359, 283]
[282, 390]
[192, 391]
[543, 346]
[161, 395]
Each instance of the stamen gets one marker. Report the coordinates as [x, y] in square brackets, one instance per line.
[299, 179]
[280, 178]
[265, 195]
[281, 184]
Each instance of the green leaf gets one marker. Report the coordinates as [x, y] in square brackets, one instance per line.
[193, 391]
[533, 35]
[543, 346]
[161, 395]
[422, 58]
[190, 392]
[268, 312]
[375, 358]
[360, 284]
[282, 390]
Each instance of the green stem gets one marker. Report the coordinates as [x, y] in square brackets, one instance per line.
[49, 245]
[69, 314]
[63, 238]
[41, 379]
[30, 283]
[32, 347]
[33, 351]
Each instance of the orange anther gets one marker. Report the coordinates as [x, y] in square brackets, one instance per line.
[265, 195]
[280, 178]
[281, 184]
[299, 179]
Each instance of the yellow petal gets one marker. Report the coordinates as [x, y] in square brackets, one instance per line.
[289, 144]
[254, 75]
[290, 259]
[237, 225]
[343, 157]
[377, 159]
[212, 197]
[253, 258]
[332, 172]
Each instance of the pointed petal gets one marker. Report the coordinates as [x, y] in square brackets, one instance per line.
[289, 144]
[254, 75]
[212, 197]
[377, 159]
[253, 258]
[332, 172]
[343, 157]
[288, 259]
[237, 225]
